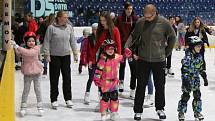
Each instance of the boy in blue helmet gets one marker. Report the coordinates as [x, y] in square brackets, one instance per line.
[190, 71]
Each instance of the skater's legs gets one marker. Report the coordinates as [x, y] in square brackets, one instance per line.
[182, 104]
[197, 102]
[27, 85]
[143, 70]
[114, 102]
[104, 102]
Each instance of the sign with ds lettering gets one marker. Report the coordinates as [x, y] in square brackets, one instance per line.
[45, 7]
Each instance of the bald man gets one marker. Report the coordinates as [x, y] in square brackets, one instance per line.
[149, 42]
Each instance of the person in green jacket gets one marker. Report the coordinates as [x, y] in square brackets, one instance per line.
[153, 38]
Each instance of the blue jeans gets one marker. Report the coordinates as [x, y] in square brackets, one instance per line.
[150, 84]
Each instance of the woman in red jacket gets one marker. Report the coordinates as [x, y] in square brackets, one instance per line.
[106, 30]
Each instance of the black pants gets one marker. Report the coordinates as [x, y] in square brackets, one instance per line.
[57, 64]
[168, 61]
[91, 75]
[202, 52]
[132, 65]
[143, 72]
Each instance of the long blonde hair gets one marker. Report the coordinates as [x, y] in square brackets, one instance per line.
[193, 27]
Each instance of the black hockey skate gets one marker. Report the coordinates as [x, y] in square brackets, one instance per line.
[198, 117]
[181, 117]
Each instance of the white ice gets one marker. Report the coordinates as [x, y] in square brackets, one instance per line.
[81, 112]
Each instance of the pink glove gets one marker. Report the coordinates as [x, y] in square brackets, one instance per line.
[97, 82]
[127, 52]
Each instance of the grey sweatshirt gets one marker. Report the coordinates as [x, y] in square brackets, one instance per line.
[59, 39]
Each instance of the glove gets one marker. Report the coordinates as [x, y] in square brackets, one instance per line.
[75, 58]
[206, 82]
[127, 52]
[97, 82]
[13, 43]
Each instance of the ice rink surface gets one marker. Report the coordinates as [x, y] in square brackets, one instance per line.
[82, 112]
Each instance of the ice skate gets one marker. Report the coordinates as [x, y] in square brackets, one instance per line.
[104, 116]
[132, 94]
[121, 87]
[87, 98]
[161, 114]
[23, 112]
[69, 103]
[149, 102]
[181, 116]
[114, 116]
[170, 73]
[137, 116]
[40, 111]
[54, 105]
[198, 117]
[97, 107]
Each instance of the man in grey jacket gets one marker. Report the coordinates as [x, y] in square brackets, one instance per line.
[58, 41]
[149, 42]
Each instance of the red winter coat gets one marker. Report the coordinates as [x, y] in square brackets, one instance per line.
[87, 51]
[32, 26]
[116, 38]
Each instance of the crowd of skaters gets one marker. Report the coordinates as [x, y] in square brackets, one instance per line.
[146, 42]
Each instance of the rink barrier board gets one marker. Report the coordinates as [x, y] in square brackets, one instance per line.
[7, 112]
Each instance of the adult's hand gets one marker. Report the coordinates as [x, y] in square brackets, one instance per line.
[127, 52]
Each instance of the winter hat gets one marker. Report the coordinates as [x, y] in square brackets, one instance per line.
[94, 25]
[28, 35]
[112, 14]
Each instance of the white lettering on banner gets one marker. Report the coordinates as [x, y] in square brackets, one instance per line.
[48, 6]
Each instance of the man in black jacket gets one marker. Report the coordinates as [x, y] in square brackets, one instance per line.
[150, 37]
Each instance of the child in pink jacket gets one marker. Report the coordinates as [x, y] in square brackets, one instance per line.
[106, 77]
[31, 69]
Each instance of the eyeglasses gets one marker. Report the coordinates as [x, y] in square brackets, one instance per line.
[148, 16]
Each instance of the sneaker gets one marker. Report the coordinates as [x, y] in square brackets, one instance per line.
[23, 112]
[137, 116]
[132, 94]
[198, 116]
[40, 111]
[69, 103]
[121, 87]
[104, 116]
[161, 114]
[149, 100]
[181, 116]
[87, 98]
[114, 116]
[54, 105]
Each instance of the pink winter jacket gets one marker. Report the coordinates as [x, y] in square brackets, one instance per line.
[106, 75]
[30, 60]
